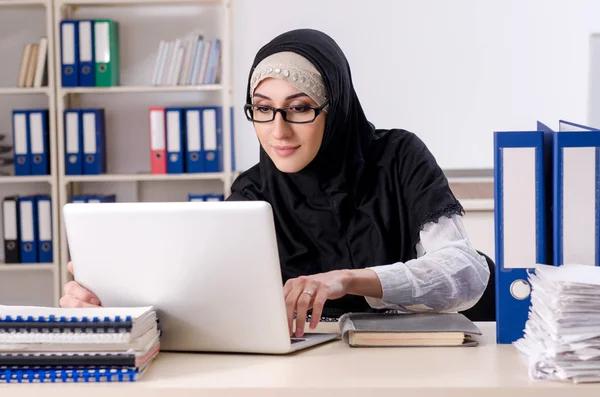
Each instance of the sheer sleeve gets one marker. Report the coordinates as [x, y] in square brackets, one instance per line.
[448, 274]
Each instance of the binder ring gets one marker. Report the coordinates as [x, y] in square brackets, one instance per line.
[194, 157]
[68, 70]
[158, 155]
[85, 70]
[102, 68]
[174, 157]
[27, 247]
[37, 159]
[46, 247]
[11, 245]
[21, 160]
[520, 289]
[210, 156]
[72, 159]
[89, 159]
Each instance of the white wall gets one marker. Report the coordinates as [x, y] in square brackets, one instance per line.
[450, 71]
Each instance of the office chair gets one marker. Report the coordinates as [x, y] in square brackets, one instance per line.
[485, 308]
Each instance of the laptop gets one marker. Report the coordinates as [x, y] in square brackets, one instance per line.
[210, 269]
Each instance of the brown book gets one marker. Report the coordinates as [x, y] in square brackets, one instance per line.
[25, 56]
[32, 65]
[411, 329]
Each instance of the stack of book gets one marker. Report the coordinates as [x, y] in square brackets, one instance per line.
[562, 332]
[44, 344]
[189, 60]
[33, 71]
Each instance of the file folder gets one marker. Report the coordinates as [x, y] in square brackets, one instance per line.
[576, 194]
[94, 198]
[522, 196]
[106, 43]
[206, 197]
[213, 197]
[79, 199]
[73, 143]
[69, 39]
[86, 54]
[38, 137]
[11, 232]
[21, 142]
[175, 128]
[194, 154]
[28, 227]
[158, 150]
[212, 130]
[92, 124]
[44, 218]
[111, 198]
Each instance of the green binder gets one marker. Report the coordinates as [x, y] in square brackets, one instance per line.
[106, 43]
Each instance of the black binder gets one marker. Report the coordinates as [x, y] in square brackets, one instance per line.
[11, 229]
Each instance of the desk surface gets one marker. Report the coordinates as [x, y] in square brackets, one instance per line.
[333, 369]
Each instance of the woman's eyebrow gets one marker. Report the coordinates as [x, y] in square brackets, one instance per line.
[298, 95]
[256, 94]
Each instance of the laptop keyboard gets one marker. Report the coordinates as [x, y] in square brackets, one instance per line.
[296, 340]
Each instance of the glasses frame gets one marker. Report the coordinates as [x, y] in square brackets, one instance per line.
[317, 109]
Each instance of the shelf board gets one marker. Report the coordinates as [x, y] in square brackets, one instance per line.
[105, 3]
[26, 179]
[15, 267]
[23, 91]
[139, 89]
[144, 177]
[21, 3]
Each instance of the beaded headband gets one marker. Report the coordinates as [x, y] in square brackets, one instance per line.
[293, 68]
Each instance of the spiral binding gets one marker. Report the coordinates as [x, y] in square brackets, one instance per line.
[53, 323]
[69, 375]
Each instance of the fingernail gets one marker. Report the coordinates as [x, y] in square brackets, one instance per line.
[298, 332]
[95, 301]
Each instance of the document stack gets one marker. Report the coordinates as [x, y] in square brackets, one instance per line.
[562, 333]
[44, 344]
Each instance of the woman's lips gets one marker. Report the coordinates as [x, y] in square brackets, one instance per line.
[285, 151]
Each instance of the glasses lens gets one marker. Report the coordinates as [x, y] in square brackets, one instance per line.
[261, 113]
[300, 114]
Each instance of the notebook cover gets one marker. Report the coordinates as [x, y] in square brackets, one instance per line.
[406, 323]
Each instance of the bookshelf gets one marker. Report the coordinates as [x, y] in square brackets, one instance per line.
[23, 22]
[25, 91]
[127, 104]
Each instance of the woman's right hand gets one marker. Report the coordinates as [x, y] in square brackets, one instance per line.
[77, 296]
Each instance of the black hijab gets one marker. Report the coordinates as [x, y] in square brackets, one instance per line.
[364, 198]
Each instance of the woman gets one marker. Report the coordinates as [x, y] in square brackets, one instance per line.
[365, 218]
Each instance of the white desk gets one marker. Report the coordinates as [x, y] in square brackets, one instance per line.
[333, 369]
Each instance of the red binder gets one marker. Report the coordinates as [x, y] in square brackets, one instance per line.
[158, 150]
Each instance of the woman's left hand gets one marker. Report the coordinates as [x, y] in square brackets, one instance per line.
[311, 292]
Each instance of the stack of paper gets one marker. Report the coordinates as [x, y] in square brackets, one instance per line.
[44, 344]
[562, 333]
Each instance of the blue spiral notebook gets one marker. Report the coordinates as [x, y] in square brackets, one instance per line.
[47, 344]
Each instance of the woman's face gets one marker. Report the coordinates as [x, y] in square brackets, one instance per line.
[290, 146]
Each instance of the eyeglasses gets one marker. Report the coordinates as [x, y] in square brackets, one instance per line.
[301, 114]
